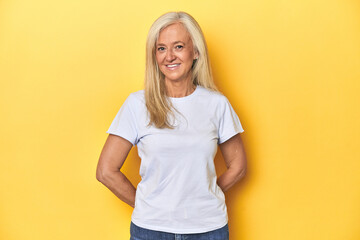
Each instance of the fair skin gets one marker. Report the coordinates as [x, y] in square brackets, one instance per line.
[174, 55]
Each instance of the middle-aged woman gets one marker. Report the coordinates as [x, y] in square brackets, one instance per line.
[177, 122]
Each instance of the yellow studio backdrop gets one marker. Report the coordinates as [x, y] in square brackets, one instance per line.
[291, 69]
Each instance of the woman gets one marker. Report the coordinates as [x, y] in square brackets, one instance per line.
[177, 122]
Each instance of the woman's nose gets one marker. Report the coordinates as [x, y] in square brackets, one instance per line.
[170, 56]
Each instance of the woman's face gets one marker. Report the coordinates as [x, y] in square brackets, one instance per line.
[175, 53]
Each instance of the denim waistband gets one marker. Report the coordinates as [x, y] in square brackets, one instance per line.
[139, 233]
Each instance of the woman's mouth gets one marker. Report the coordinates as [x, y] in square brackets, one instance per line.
[172, 66]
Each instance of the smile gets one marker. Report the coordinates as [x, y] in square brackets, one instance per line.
[172, 66]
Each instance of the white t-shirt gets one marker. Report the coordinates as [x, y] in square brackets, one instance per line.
[178, 191]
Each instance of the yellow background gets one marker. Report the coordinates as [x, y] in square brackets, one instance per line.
[291, 69]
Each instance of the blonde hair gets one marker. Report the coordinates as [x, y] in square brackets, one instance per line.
[157, 103]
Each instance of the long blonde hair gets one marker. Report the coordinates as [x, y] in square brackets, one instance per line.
[157, 103]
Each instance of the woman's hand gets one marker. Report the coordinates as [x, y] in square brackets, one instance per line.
[111, 159]
[235, 159]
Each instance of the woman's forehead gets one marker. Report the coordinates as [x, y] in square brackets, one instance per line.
[173, 33]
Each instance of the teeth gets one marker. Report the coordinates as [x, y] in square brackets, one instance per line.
[173, 65]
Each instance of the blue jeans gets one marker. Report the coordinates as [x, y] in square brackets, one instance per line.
[139, 233]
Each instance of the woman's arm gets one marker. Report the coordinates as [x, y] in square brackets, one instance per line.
[108, 172]
[235, 159]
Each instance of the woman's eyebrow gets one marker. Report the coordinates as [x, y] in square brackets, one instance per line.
[179, 42]
[162, 44]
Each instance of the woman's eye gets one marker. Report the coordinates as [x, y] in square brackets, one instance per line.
[179, 47]
[161, 48]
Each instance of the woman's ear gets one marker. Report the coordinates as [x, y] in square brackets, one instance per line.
[196, 55]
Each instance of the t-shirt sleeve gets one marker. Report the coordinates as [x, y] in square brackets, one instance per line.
[124, 123]
[229, 124]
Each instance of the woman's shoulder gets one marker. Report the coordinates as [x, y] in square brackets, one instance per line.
[135, 100]
[137, 96]
[211, 94]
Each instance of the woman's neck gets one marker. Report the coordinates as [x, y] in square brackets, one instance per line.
[179, 89]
